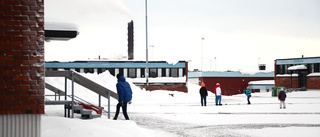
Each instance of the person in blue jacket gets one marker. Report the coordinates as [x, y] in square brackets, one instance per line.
[125, 95]
[248, 93]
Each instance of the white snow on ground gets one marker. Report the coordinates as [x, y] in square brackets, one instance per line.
[159, 114]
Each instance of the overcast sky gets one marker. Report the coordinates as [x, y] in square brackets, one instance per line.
[238, 33]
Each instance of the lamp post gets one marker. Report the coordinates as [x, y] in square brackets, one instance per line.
[147, 68]
[202, 53]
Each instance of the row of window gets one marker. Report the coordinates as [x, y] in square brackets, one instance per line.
[311, 68]
[136, 72]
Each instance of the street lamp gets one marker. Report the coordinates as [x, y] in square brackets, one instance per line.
[147, 68]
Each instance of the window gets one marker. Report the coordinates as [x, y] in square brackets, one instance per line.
[163, 72]
[112, 71]
[174, 72]
[153, 72]
[317, 67]
[142, 70]
[132, 73]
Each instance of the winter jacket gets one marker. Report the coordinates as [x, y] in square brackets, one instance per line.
[282, 96]
[124, 90]
[247, 92]
[218, 91]
[203, 91]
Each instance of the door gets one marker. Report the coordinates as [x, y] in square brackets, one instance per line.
[303, 79]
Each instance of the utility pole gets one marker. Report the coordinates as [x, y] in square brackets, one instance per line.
[147, 68]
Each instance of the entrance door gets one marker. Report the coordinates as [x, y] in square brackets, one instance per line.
[303, 79]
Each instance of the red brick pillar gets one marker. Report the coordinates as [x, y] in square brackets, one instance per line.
[22, 57]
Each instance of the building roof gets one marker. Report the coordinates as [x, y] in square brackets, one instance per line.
[228, 74]
[310, 60]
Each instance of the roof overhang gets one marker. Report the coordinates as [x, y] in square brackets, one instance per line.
[60, 31]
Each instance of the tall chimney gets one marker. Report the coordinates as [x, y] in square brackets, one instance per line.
[130, 40]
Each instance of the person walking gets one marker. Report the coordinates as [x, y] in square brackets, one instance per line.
[125, 95]
[248, 93]
[203, 94]
[218, 94]
[282, 97]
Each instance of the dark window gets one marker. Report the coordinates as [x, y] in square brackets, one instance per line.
[317, 67]
[184, 72]
[153, 72]
[121, 71]
[112, 71]
[174, 72]
[163, 72]
[142, 70]
[132, 73]
[88, 70]
[78, 70]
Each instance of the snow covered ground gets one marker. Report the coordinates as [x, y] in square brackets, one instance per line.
[159, 114]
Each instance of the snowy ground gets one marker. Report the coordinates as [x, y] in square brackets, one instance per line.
[159, 114]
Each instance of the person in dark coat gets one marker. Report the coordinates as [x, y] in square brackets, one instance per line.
[125, 95]
[282, 97]
[248, 93]
[203, 94]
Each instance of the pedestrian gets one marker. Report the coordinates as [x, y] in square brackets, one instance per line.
[282, 97]
[203, 94]
[125, 95]
[218, 94]
[248, 93]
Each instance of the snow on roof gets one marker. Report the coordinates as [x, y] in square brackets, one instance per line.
[297, 67]
[314, 74]
[262, 82]
[229, 74]
[51, 24]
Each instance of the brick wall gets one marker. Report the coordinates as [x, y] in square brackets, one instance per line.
[313, 82]
[22, 57]
[178, 87]
[286, 82]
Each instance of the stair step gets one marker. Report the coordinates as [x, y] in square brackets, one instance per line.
[86, 112]
[78, 109]
[95, 116]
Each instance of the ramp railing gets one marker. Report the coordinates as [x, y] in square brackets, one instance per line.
[83, 81]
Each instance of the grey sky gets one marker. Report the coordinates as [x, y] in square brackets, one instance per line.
[236, 32]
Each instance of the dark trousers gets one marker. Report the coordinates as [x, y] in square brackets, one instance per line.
[124, 110]
[204, 99]
[248, 98]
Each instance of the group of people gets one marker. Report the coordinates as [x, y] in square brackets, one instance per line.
[217, 91]
[125, 95]
[204, 94]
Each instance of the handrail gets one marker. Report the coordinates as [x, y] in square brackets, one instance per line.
[83, 81]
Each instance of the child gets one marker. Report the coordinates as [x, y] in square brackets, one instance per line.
[282, 97]
[248, 93]
[218, 94]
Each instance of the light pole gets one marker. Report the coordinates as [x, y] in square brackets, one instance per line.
[202, 53]
[147, 68]
[152, 50]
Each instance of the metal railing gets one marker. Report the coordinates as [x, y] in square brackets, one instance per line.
[74, 77]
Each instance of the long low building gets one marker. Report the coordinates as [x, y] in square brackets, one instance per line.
[232, 82]
[163, 75]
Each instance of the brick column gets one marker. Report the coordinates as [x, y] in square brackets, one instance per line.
[21, 67]
[22, 57]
